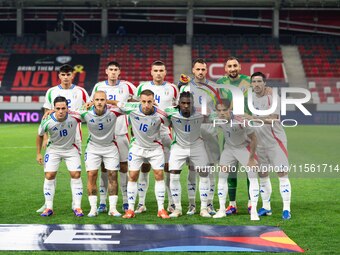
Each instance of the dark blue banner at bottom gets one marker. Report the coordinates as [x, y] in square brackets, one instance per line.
[150, 237]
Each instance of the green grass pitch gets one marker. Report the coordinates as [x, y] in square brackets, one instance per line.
[315, 223]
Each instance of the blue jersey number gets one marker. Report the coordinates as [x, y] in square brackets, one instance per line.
[69, 103]
[200, 99]
[157, 98]
[101, 126]
[46, 157]
[187, 128]
[143, 127]
[63, 132]
[130, 156]
[112, 97]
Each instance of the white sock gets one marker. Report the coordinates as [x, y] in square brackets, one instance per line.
[222, 189]
[254, 190]
[192, 187]
[123, 186]
[113, 202]
[132, 192]
[167, 187]
[265, 191]
[176, 190]
[160, 194]
[143, 185]
[204, 184]
[93, 202]
[77, 192]
[233, 203]
[286, 191]
[103, 187]
[212, 188]
[49, 191]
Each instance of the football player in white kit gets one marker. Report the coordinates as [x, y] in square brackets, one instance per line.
[146, 146]
[204, 94]
[101, 148]
[166, 95]
[76, 96]
[239, 147]
[62, 129]
[271, 149]
[122, 91]
[188, 146]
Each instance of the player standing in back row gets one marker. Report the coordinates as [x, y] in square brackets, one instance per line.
[166, 95]
[272, 148]
[123, 91]
[205, 99]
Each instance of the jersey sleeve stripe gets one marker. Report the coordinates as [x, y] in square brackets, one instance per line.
[130, 89]
[175, 90]
[84, 96]
[215, 92]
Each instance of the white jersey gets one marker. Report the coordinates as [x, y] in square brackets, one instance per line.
[62, 134]
[145, 127]
[166, 95]
[122, 92]
[101, 128]
[204, 94]
[235, 135]
[76, 96]
[187, 130]
[268, 135]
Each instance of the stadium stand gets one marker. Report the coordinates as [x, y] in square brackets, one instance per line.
[134, 53]
[321, 60]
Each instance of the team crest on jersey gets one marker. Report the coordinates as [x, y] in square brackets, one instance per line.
[92, 120]
[178, 121]
[108, 120]
[137, 118]
[153, 123]
[121, 91]
[69, 124]
[166, 92]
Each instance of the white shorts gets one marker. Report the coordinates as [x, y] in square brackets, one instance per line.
[196, 156]
[210, 138]
[53, 158]
[276, 156]
[108, 155]
[123, 147]
[231, 155]
[138, 156]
